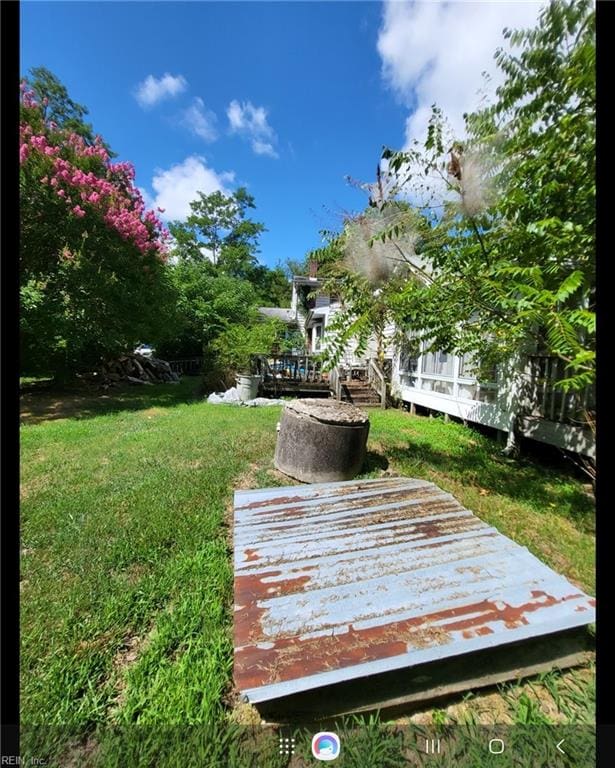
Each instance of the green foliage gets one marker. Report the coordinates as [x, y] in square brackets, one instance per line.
[87, 290]
[207, 303]
[217, 275]
[272, 285]
[60, 108]
[236, 346]
[218, 225]
[507, 224]
[293, 341]
[85, 309]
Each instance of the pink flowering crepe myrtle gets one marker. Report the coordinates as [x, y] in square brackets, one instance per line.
[106, 190]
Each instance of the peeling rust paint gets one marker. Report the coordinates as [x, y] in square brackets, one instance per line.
[374, 575]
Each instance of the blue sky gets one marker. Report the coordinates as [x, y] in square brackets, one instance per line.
[285, 98]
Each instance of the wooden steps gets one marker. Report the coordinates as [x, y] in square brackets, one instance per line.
[359, 393]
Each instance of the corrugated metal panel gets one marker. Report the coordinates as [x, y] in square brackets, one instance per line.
[338, 581]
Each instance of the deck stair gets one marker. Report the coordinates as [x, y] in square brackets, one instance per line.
[359, 393]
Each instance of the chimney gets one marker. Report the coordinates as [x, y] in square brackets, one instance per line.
[313, 267]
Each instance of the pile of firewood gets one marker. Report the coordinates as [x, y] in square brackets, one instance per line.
[137, 369]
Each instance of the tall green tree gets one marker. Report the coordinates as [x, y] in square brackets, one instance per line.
[93, 276]
[219, 229]
[272, 286]
[208, 303]
[57, 106]
[510, 245]
[216, 273]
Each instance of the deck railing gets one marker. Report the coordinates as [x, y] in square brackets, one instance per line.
[335, 383]
[192, 366]
[290, 367]
[554, 403]
[377, 381]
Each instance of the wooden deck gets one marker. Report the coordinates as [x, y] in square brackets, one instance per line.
[290, 388]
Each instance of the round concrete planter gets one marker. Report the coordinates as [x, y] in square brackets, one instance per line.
[321, 441]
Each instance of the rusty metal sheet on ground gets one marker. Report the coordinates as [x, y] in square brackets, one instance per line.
[339, 581]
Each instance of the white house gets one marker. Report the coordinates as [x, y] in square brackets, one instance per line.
[518, 399]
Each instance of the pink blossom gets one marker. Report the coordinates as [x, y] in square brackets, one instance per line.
[107, 186]
[40, 142]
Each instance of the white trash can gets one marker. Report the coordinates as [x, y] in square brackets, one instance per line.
[248, 386]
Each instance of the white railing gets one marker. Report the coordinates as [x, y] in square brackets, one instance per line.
[554, 403]
[377, 381]
[335, 382]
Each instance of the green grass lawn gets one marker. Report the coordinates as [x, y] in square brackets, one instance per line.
[126, 572]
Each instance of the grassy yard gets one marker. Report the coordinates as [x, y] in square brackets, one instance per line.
[126, 575]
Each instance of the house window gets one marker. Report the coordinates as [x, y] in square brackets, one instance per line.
[408, 360]
[437, 363]
[435, 385]
[469, 369]
[468, 391]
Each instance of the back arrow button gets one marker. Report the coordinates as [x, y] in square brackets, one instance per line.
[559, 746]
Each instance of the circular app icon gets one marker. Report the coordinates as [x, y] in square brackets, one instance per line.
[325, 746]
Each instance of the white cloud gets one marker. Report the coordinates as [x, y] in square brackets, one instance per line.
[263, 148]
[177, 187]
[251, 122]
[200, 120]
[151, 90]
[435, 52]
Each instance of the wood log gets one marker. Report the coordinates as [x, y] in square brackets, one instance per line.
[136, 369]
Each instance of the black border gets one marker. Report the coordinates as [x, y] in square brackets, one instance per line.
[605, 712]
[9, 644]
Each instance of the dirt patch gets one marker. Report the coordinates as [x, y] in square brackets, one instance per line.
[149, 413]
[245, 714]
[194, 464]
[80, 754]
[130, 650]
[128, 653]
[279, 478]
[247, 480]
[486, 708]
[492, 707]
[35, 485]
[95, 644]
[35, 408]
[135, 572]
